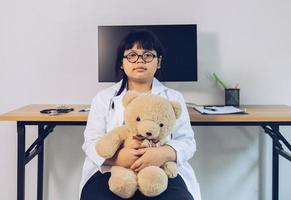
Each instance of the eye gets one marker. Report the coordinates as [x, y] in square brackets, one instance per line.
[161, 124]
[148, 56]
[131, 55]
[138, 119]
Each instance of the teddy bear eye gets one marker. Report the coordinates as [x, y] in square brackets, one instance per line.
[138, 119]
[161, 124]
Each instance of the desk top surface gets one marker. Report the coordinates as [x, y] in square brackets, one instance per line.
[32, 113]
[256, 113]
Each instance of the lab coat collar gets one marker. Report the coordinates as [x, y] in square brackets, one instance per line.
[157, 87]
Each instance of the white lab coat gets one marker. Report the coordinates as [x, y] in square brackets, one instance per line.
[102, 118]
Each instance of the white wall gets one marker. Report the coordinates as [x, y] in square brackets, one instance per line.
[48, 54]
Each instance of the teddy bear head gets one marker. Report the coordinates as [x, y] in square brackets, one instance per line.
[150, 116]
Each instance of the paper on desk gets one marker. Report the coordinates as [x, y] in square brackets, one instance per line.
[216, 110]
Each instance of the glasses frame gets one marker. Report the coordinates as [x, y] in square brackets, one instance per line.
[140, 56]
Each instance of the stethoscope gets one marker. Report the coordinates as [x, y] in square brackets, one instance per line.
[56, 111]
[111, 104]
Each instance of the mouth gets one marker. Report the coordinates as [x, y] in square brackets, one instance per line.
[140, 68]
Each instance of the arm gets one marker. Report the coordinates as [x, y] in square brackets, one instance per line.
[182, 139]
[127, 155]
[154, 156]
[95, 130]
[110, 142]
[124, 157]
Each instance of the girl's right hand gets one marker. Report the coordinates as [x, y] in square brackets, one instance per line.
[125, 157]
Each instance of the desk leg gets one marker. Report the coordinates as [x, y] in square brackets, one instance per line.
[275, 167]
[40, 164]
[278, 141]
[20, 161]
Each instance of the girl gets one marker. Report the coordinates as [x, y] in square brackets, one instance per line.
[139, 57]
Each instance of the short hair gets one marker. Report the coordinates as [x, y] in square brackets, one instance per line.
[145, 39]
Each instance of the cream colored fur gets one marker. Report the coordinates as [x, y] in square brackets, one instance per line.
[152, 110]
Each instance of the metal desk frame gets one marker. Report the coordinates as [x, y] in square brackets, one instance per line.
[278, 141]
[35, 149]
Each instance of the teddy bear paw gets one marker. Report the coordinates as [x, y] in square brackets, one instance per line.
[152, 181]
[122, 182]
[170, 169]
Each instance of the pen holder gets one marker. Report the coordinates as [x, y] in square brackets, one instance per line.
[232, 97]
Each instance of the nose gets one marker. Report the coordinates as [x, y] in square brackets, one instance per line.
[140, 59]
[149, 133]
[148, 128]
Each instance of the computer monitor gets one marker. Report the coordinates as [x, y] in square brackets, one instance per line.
[180, 42]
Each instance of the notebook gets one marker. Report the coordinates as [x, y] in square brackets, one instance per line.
[217, 110]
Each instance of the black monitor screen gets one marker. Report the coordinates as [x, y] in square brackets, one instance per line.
[180, 42]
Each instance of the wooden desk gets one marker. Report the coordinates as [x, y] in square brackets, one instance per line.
[256, 113]
[31, 113]
[269, 117]
[30, 116]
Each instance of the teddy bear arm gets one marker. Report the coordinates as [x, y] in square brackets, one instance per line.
[110, 142]
[170, 169]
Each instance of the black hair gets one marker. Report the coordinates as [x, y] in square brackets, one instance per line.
[144, 39]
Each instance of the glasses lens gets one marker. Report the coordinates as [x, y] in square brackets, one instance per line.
[148, 57]
[132, 57]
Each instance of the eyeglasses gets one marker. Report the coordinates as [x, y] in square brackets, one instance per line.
[146, 57]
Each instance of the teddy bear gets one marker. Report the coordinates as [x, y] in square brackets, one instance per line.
[151, 118]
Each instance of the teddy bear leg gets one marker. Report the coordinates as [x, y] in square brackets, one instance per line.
[170, 169]
[122, 182]
[152, 181]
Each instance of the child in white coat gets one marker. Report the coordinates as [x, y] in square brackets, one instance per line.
[139, 57]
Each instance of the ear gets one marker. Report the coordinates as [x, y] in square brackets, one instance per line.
[177, 108]
[129, 96]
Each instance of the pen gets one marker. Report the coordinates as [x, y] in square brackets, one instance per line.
[84, 110]
[208, 108]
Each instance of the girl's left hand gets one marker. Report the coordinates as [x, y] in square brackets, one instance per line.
[154, 156]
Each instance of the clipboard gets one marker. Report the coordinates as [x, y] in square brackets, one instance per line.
[218, 110]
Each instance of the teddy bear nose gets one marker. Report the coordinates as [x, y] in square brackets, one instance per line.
[149, 134]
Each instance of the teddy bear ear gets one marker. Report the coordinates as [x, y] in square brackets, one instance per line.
[177, 108]
[129, 96]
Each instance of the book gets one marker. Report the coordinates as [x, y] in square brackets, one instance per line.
[217, 110]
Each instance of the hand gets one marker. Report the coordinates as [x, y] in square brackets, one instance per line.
[156, 156]
[125, 157]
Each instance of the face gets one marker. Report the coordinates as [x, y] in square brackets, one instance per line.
[142, 70]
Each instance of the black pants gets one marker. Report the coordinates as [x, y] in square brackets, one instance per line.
[97, 188]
